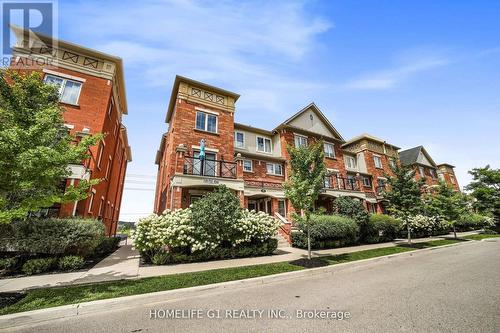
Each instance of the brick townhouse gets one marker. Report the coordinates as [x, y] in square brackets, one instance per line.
[253, 162]
[419, 159]
[92, 93]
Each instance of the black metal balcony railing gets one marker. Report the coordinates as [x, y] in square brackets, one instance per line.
[380, 189]
[209, 168]
[341, 183]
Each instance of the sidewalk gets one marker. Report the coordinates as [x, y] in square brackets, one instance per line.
[124, 264]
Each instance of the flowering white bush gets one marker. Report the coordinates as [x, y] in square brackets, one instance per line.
[175, 229]
[426, 225]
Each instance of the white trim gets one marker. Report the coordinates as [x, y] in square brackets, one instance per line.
[257, 144]
[206, 114]
[197, 108]
[215, 150]
[236, 141]
[69, 126]
[383, 178]
[66, 76]
[295, 136]
[251, 165]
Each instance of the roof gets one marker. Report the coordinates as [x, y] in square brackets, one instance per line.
[410, 156]
[318, 112]
[20, 33]
[125, 142]
[445, 164]
[253, 129]
[368, 137]
[160, 150]
[175, 88]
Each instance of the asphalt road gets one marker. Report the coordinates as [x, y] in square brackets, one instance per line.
[453, 289]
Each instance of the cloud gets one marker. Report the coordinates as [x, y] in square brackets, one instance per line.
[389, 78]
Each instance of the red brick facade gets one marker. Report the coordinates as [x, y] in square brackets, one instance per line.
[99, 108]
[254, 181]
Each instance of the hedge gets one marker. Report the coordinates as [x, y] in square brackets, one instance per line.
[253, 249]
[383, 228]
[473, 222]
[326, 231]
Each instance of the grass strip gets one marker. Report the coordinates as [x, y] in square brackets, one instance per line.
[481, 236]
[51, 297]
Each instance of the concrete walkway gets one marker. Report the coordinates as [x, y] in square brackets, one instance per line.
[124, 264]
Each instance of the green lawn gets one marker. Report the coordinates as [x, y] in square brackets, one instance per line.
[481, 236]
[50, 297]
[367, 254]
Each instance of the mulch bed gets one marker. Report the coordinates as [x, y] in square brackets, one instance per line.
[309, 263]
[7, 299]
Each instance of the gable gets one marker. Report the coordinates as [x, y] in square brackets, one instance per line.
[423, 160]
[310, 121]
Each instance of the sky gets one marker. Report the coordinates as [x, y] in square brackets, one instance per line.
[410, 72]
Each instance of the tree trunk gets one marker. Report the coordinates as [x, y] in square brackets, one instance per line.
[308, 242]
[454, 231]
[409, 232]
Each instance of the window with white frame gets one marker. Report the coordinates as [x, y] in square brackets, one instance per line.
[392, 162]
[350, 162]
[239, 139]
[264, 145]
[378, 161]
[282, 208]
[300, 140]
[99, 156]
[367, 181]
[110, 109]
[108, 167]
[329, 149]
[274, 169]
[69, 90]
[433, 174]
[206, 122]
[421, 170]
[247, 165]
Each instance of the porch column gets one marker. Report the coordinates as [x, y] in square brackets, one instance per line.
[180, 152]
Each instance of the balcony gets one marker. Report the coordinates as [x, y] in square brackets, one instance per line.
[380, 189]
[209, 168]
[341, 183]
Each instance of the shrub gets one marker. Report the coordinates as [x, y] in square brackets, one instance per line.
[178, 232]
[8, 263]
[385, 228]
[473, 222]
[71, 263]
[355, 210]
[106, 246]
[36, 266]
[53, 236]
[215, 215]
[326, 231]
[424, 226]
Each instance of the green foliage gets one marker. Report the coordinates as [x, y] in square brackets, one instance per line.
[485, 188]
[70, 263]
[243, 250]
[52, 236]
[306, 177]
[326, 231]
[37, 266]
[106, 246]
[384, 228]
[355, 210]
[8, 263]
[216, 213]
[35, 148]
[473, 221]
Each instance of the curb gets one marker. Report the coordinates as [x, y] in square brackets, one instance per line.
[124, 302]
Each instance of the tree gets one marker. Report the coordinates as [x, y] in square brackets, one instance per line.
[307, 176]
[35, 147]
[447, 203]
[354, 209]
[485, 188]
[404, 195]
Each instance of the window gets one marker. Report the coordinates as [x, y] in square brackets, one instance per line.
[422, 171]
[452, 179]
[101, 205]
[327, 182]
[110, 109]
[281, 208]
[350, 162]
[194, 198]
[69, 90]
[433, 173]
[378, 161]
[351, 181]
[91, 201]
[300, 141]
[239, 139]
[380, 182]
[372, 207]
[392, 162]
[329, 149]
[99, 156]
[367, 181]
[441, 177]
[247, 165]
[108, 167]
[263, 145]
[274, 169]
[206, 122]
